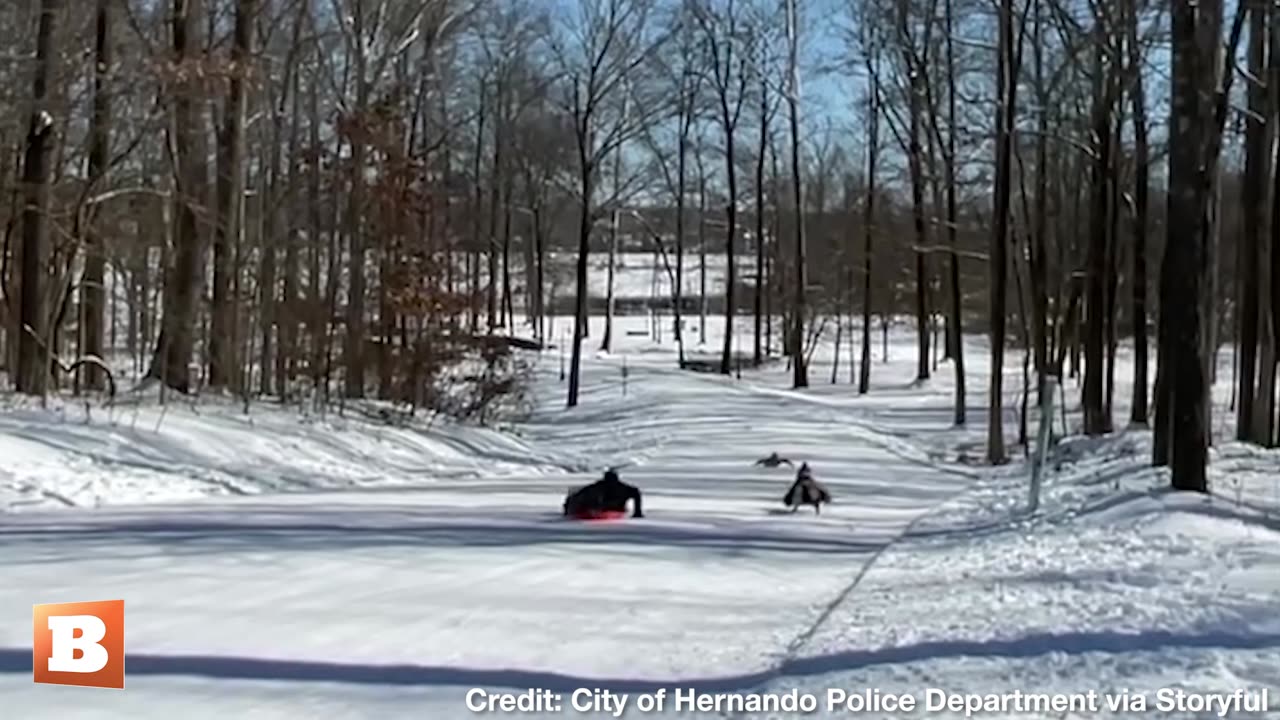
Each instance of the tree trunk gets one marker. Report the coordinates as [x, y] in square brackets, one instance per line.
[757, 353]
[606, 343]
[477, 232]
[873, 156]
[288, 315]
[93, 283]
[32, 375]
[1260, 280]
[777, 268]
[587, 187]
[1273, 263]
[230, 192]
[682, 154]
[1270, 261]
[702, 254]
[270, 356]
[508, 304]
[1181, 284]
[317, 317]
[799, 361]
[1098, 272]
[955, 326]
[1113, 241]
[495, 205]
[1141, 161]
[1040, 233]
[999, 264]
[353, 386]
[914, 164]
[540, 274]
[183, 284]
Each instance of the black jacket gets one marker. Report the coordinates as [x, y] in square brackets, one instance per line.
[805, 490]
[607, 494]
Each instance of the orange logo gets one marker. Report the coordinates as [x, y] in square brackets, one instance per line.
[79, 644]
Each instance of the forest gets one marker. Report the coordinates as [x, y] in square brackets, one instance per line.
[350, 197]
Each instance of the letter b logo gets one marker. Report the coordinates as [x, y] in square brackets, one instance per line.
[79, 644]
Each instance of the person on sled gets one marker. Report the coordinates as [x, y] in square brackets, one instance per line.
[607, 495]
[773, 461]
[806, 491]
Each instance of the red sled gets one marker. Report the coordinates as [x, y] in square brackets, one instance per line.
[599, 514]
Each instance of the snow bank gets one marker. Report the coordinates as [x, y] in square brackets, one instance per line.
[74, 455]
[1116, 585]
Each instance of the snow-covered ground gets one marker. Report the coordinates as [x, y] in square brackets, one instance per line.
[276, 565]
[637, 275]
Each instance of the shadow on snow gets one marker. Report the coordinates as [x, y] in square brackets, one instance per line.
[16, 660]
[194, 536]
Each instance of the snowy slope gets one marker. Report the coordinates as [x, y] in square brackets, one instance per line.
[1116, 586]
[362, 571]
[145, 452]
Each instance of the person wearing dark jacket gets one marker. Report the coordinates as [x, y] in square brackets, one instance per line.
[806, 491]
[608, 494]
[773, 461]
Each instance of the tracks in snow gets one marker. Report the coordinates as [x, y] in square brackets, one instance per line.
[894, 443]
[864, 431]
[792, 653]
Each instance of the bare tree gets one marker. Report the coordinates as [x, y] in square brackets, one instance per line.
[606, 343]
[610, 43]
[1195, 146]
[1141, 181]
[33, 356]
[230, 192]
[185, 279]
[955, 323]
[767, 109]
[687, 82]
[1182, 271]
[729, 56]
[915, 65]
[1260, 281]
[93, 281]
[872, 63]
[1010, 58]
[799, 361]
[1097, 418]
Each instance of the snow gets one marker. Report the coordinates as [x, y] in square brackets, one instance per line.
[282, 564]
[638, 275]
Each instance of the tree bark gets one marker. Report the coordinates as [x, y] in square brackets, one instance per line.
[1262, 274]
[184, 282]
[32, 375]
[587, 187]
[702, 251]
[1141, 181]
[1098, 274]
[687, 110]
[757, 353]
[955, 326]
[1182, 283]
[873, 156]
[230, 192]
[999, 263]
[1040, 248]
[353, 381]
[915, 93]
[288, 315]
[606, 342]
[799, 365]
[93, 282]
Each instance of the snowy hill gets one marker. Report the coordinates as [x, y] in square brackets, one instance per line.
[282, 566]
